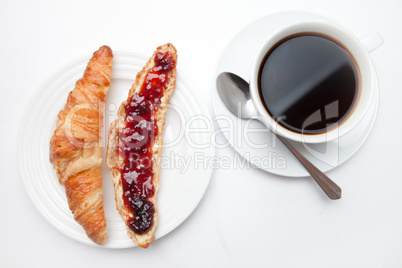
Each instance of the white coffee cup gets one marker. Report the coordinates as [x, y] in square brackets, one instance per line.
[312, 23]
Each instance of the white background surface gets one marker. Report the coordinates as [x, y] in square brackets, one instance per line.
[247, 217]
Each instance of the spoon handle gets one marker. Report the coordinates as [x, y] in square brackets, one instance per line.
[328, 186]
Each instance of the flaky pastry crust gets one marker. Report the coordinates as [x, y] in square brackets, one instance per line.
[75, 147]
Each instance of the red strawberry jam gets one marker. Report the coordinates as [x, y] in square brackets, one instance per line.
[137, 139]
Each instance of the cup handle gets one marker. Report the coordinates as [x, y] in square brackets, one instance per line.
[372, 41]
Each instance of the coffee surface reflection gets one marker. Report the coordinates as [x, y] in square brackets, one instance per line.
[309, 83]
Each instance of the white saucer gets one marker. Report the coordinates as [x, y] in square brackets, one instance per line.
[252, 140]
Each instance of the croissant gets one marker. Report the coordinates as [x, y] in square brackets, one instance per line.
[75, 147]
[135, 144]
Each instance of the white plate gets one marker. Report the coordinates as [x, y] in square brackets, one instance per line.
[251, 139]
[180, 188]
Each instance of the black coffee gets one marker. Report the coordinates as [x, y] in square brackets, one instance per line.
[309, 83]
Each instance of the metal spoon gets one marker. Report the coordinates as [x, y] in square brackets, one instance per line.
[235, 94]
